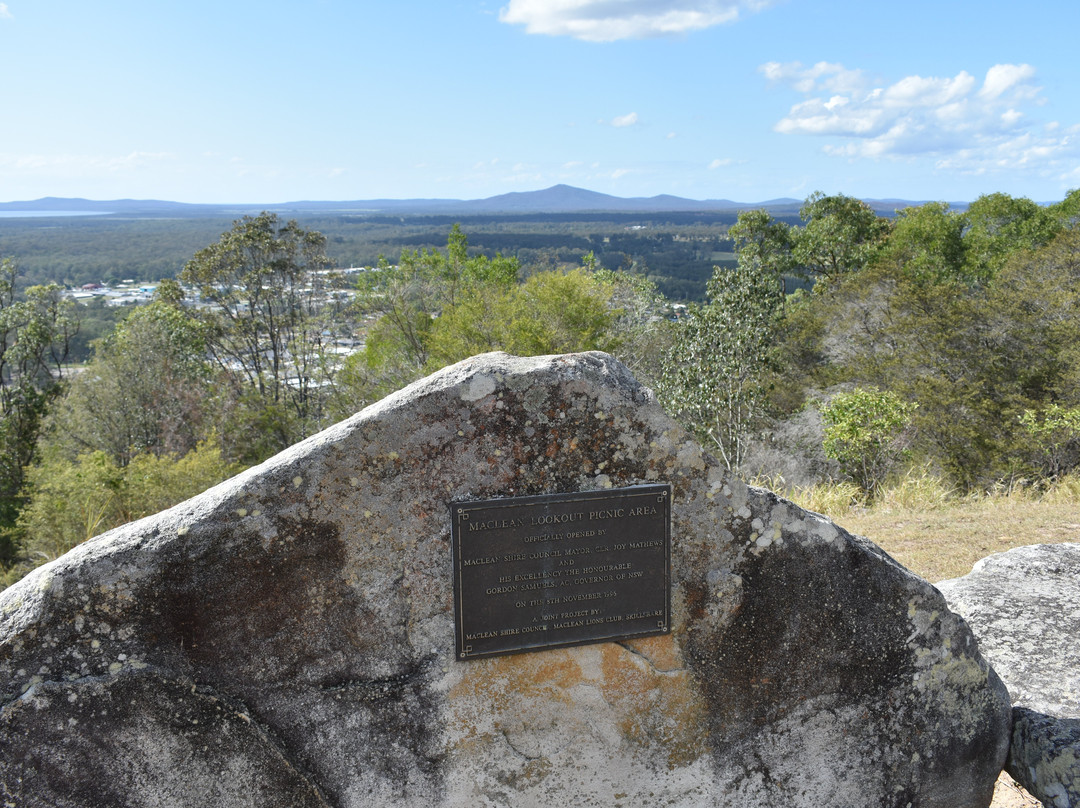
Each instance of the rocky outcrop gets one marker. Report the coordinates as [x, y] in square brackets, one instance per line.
[1022, 606]
[287, 638]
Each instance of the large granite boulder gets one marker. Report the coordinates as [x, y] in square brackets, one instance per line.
[1024, 607]
[287, 638]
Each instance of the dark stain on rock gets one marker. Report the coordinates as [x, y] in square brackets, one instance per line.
[274, 611]
[142, 740]
[776, 652]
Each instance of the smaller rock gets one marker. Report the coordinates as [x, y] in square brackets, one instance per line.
[1022, 607]
[1044, 757]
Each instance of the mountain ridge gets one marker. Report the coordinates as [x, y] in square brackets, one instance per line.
[556, 199]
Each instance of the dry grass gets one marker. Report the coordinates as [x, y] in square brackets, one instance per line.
[932, 531]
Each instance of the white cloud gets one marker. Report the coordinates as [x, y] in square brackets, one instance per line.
[916, 91]
[1072, 178]
[610, 20]
[1002, 78]
[1042, 154]
[1011, 117]
[718, 163]
[962, 123]
[5, 14]
[826, 76]
[625, 120]
[83, 165]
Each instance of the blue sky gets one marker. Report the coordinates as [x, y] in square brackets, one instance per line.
[266, 102]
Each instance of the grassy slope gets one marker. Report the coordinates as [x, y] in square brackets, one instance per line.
[940, 537]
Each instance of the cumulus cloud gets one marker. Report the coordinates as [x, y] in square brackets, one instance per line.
[5, 14]
[960, 121]
[610, 20]
[1001, 79]
[625, 120]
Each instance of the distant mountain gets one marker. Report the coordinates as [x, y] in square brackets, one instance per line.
[557, 199]
[568, 199]
[140, 206]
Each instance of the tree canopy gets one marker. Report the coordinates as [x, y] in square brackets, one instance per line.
[940, 337]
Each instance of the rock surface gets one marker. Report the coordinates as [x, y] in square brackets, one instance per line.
[1044, 757]
[1022, 606]
[287, 637]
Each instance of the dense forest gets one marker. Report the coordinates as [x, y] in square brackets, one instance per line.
[838, 344]
[677, 251]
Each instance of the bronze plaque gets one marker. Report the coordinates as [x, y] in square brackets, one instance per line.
[561, 569]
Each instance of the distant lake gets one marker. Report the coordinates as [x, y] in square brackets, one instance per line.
[28, 214]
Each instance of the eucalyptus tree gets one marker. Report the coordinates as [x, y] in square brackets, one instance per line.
[718, 368]
[997, 225]
[36, 328]
[927, 244]
[758, 236]
[148, 390]
[551, 312]
[262, 288]
[403, 301]
[840, 235]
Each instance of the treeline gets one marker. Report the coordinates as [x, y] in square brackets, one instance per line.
[844, 344]
[72, 251]
[676, 250]
[185, 392]
[939, 338]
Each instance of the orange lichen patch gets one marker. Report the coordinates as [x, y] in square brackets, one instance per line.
[662, 651]
[646, 698]
[655, 707]
[492, 688]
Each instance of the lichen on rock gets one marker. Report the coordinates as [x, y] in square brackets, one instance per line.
[290, 634]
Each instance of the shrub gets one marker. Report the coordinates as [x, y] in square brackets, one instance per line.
[866, 433]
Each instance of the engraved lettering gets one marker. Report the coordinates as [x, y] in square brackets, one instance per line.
[547, 537]
[561, 569]
[495, 524]
[555, 518]
[615, 513]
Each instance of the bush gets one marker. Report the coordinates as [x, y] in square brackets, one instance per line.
[72, 501]
[866, 432]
